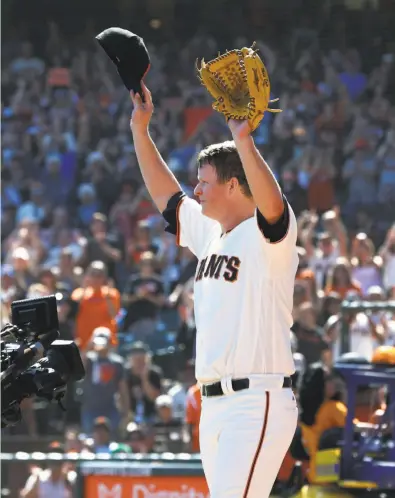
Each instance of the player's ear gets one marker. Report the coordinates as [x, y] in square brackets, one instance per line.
[233, 185]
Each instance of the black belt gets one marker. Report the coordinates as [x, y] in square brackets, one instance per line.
[215, 389]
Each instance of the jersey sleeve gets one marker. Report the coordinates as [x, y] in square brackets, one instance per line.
[186, 221]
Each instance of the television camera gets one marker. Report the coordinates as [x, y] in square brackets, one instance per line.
[34, 362]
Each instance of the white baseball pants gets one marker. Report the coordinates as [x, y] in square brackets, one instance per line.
[245, 435]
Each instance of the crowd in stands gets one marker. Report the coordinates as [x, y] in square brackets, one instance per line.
[77, 222]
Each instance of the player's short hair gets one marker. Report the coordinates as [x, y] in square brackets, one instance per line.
[225, 159]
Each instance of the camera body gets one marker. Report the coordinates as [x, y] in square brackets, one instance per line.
[34, 362]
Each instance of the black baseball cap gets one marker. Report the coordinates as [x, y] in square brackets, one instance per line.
[129, 54]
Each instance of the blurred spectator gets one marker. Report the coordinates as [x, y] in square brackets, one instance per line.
[366, 267]
[295, 193]
[340, 279]
[179, 391]
[386, 191]
[383, 320]
[8, 292]
[48, 278]
[141, 243]
[104, 381]
[53, 482]
[144, 383]
[97, 304]
[186, 336]
[387, 253]
[320, 191]
[331, 414]
[301, 295]
[363, 334]
[304, 279]
[55, 189]
[352, 79]
[300, 364]
[22, 274]
[167, 429]
[88, 204]
[143, 297]
[36, 291]
[36, 209]
[72, 441]
[102, 179]
[27, 64]
[192, 416]
[331, 244]
[138, 438]
[361, 172]
[101, 441]
[65, 315]
[28, 238]
[101, 435]
[103, 245]
[66, 269]
[310, 338]
[123, 213]
[330, 306]
[64, 243]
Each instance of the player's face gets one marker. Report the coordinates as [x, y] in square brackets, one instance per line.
[211, 193]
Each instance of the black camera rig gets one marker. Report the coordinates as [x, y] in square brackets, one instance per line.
[34, 362]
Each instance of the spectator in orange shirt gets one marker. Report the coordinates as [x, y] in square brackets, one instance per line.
[192, 416]
[98, 305]
[321, 191]
[333, 412]
[340, 280]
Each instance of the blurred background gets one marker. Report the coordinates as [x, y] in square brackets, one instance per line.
[76, 219]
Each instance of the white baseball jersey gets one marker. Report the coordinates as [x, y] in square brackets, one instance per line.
[243, 295]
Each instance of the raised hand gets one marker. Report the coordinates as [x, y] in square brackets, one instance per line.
[239, 128]
[142, 110]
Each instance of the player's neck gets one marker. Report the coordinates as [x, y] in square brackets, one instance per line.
[235, 217]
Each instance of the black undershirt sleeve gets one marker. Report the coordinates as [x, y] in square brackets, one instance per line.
[170, 213]
[277, 231]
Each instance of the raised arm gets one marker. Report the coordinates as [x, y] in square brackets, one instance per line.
[264, 187]
[306, 235]
[159, 180]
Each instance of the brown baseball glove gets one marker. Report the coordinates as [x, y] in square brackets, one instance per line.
[240, 85]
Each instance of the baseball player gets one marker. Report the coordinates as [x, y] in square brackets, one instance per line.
[243, 233]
